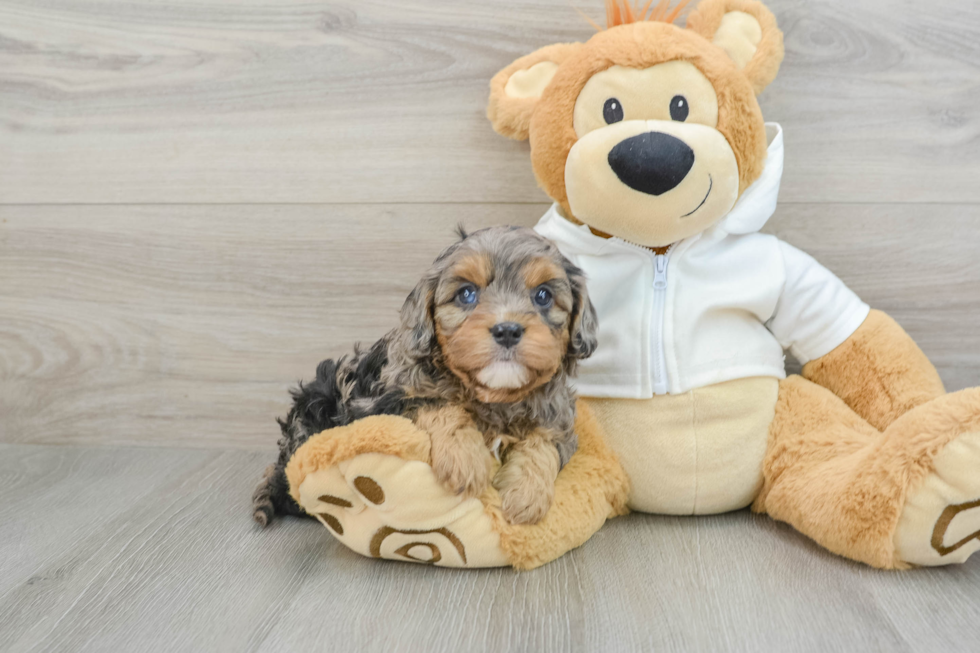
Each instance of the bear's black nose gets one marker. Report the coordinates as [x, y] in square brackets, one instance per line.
[507, 334]
[652, 163]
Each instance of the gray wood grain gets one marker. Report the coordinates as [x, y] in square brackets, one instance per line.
[199, 201]
[113, 549]
[186, 324]
[141, 101]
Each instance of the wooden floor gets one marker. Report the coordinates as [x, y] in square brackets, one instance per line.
[127, 549]
[199, 201]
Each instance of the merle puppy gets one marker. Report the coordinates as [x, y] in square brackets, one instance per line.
[481, 361]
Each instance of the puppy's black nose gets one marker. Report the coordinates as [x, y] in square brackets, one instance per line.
[652, 163]
[507, 334]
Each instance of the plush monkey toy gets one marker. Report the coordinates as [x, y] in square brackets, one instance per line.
[650, 141]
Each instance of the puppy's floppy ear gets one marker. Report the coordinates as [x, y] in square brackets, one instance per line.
[746, 30]
[515, 90]
[584, 327]
[418, 327]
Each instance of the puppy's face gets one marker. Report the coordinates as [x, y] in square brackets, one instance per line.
[507, 311]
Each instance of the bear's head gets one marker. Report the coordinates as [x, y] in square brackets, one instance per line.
[648, 131]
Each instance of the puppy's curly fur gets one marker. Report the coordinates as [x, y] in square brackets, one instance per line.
[481, 359]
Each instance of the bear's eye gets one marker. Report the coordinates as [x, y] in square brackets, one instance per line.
[679, 108]
[612, 111]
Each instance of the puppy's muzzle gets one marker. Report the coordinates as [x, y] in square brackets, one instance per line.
[507, 334]
[652, 162]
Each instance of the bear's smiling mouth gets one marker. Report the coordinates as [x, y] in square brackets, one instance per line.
[711, 184]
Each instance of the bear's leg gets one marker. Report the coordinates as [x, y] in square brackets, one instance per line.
[817, 446]
[838, 480]
[370, 483]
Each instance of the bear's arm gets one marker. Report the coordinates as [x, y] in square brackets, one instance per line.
[878, 371]
[862, 356]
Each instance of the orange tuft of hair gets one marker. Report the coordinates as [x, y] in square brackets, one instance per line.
[623, 12]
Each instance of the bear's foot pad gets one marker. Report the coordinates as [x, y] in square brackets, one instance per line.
[940, 523]
[383, 506]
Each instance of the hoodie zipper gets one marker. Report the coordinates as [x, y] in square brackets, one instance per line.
[660, 382]
[658, 352]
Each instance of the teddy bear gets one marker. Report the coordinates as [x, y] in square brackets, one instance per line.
[650, 141]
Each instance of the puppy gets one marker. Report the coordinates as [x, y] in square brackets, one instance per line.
[481, 361]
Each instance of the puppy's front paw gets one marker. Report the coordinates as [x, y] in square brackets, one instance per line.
[462, 465]
[525, 503]
[525, 496]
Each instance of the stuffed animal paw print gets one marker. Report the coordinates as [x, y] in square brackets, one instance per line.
[372, 486]
[386, 502]
[940, 521]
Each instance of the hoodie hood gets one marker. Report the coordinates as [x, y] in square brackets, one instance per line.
[757, 204]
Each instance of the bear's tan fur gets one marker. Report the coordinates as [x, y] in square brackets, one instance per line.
[852, 443]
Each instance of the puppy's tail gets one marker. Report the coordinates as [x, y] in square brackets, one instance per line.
[271, 497]
[262, 508]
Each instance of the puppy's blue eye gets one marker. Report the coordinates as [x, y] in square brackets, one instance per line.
[543, 298]
[466, 295]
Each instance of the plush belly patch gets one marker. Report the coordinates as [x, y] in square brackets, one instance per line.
[696, 453]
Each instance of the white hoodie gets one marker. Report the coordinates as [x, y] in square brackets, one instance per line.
[719, 306]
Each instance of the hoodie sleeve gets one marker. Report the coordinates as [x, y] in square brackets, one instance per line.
[816, 311]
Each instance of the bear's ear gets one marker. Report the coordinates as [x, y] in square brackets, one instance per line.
[747, 31]
[516, 89]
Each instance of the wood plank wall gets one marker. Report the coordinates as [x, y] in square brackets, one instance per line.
[200, 201]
